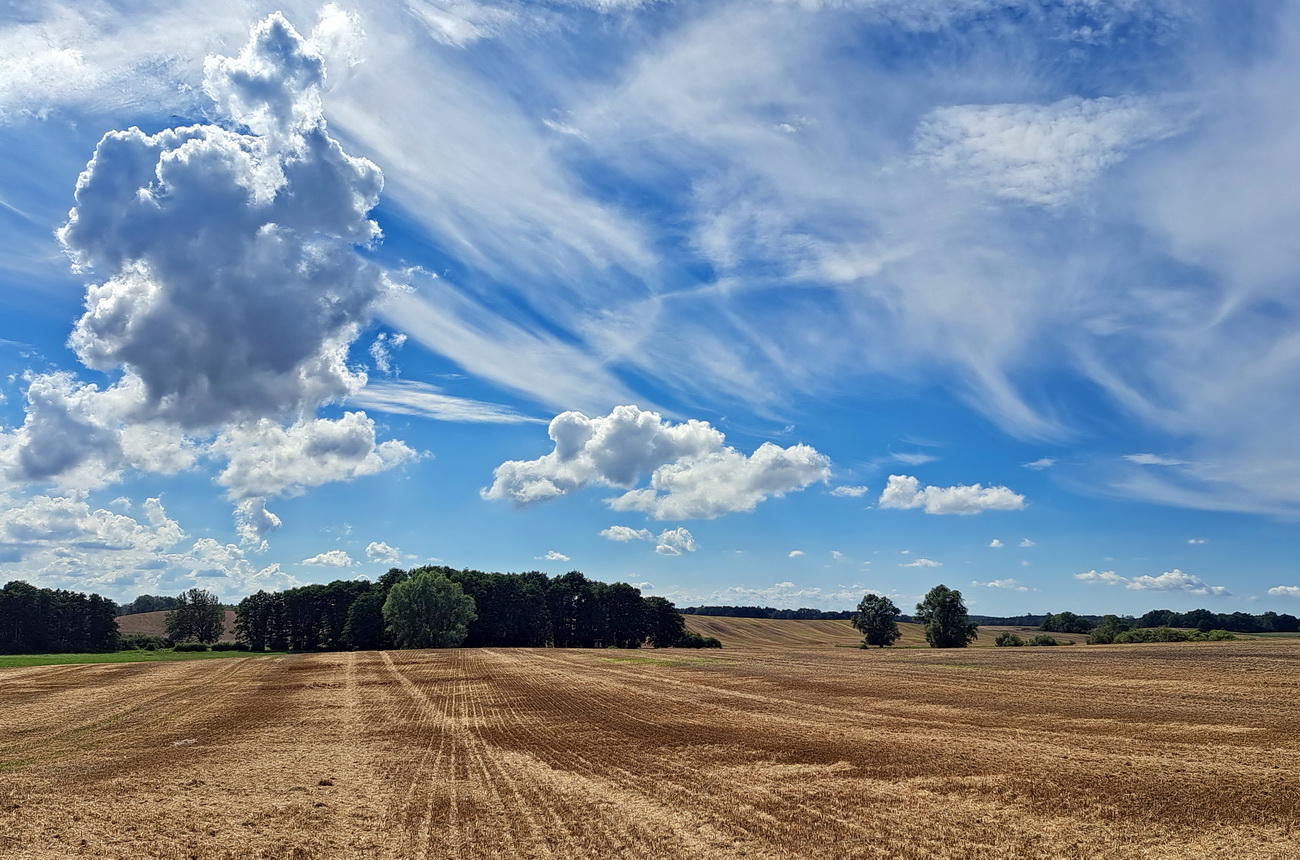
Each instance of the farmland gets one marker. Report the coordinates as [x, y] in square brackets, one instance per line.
[760, 750]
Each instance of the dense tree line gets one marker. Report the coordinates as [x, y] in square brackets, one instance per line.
[148, 603]
[802, 614]
[508, 610]
[45, 621]
[1205, 620]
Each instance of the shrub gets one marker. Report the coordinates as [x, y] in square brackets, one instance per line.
[1043, 639]
[229, 646]
[1007, 639]
[189, 646]
[695, 640]
[135, 641]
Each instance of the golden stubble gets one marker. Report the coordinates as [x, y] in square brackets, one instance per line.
[760, 751]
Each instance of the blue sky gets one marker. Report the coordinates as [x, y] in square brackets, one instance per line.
[742, 302]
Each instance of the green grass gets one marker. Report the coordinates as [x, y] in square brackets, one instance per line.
[9, 661]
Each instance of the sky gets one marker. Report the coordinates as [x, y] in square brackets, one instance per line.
[742, 302]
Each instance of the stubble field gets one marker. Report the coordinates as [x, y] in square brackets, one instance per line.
[759, 750]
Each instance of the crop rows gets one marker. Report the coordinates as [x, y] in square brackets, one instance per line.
[763, 752]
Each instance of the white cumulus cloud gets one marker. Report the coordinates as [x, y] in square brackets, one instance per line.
[381, 553]
[1006, 584]
[330, 558]
[905, 492]
[552, 555]
[1285, 591]
[1026, 542]
[626, 533]
[996, 544]
[1173, 580]
[850, 492]
[923, 562]
[693, 474]
[675, 542]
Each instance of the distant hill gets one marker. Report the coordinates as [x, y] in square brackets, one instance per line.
[793, 633]
[155, 624]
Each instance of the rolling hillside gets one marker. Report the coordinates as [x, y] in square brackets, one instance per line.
[789, 633]
[155, 624]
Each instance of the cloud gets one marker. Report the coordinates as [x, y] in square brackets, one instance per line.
[552, 555]
[1285, 591]
[227, 289]
[1106, 577]
[382, 349]
[850, 492]
[675, 542]
[692, 473]
[904, 492]
[626, 533]
[190, 225]
[1197, 541]
[405, 397]
[914, 459]
[381, 553]
[996, 544]
[1026, 542]
[1040, 464]
[1006, 584]
[64, 542]
[795, 553]
[1153, 460]
[923, 562]
[837, 555]
[330, 558]
[1174, 580]
[1039, 154]
[268, 459]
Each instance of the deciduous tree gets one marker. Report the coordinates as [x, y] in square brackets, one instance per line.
[877, 620]
[428, 611]
[944, 615]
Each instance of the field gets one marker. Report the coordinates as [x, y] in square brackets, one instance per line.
[155, 624]
[758, 751]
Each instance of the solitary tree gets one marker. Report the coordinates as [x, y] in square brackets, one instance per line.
[428, 611]
[944, 615]
[877, 619]
[198, 615]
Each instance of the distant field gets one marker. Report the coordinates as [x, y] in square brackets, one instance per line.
[8, 661]
[155, 624]
[789, 633]
[1152, 751]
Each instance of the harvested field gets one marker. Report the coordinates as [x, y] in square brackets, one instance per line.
[155, 624]
[798, 633]
[1159, 751]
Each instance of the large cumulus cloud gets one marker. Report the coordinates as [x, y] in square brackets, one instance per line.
[693, 473]
[226, 289]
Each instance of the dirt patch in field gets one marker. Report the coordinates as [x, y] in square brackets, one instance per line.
[1158, 751]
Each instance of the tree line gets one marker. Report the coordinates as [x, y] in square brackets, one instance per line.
[436, 606]
[801, 614]
[48, 621]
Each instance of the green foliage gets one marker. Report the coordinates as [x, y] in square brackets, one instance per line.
[229, 646]
[666, 624]
[1043, 639]
[1065, 622]
[877, 621]
[42, 620]
[1008, 639]
[1107, 629]
[943, 613]
[136, 641]
[190, 646]
[1152, 634]
[428, 611]
[691, 639]
[198, 616]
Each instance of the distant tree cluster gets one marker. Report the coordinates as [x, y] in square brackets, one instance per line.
[1066, 622]
[148, 603]
[45, 621]
[1238, 622]
[438, 606]
[803, 614]
[197, 616]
